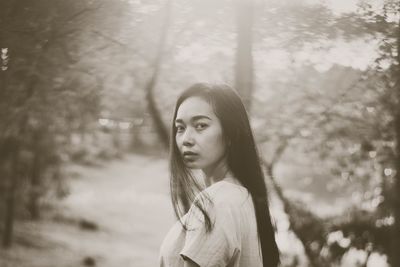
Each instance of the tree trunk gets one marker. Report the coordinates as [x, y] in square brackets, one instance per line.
[12, 174]
[33, 205]
[244, 59]
[161, 129]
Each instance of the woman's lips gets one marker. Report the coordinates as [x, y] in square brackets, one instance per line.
[190, 156]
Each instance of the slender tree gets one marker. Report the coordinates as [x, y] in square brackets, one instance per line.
[9, 159]
[244, 59]
[155, 113]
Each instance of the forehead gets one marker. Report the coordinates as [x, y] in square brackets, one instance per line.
[194, 106]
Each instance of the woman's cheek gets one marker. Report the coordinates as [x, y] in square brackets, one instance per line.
[178, 142]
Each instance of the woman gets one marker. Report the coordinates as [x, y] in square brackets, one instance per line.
[228, 223]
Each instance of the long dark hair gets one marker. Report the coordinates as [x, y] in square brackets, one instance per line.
[242, 158]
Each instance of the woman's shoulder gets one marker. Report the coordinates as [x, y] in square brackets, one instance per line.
[225, 192]
[220, 199]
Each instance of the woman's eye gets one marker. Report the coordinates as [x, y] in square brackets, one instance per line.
[201, 126]
[179, 129]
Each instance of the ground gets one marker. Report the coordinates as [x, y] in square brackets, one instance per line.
[115, 215]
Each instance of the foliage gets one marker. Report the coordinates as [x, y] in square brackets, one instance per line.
[67, 65]
[49, 95]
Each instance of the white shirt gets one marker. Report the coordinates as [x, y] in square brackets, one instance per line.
[233, 240]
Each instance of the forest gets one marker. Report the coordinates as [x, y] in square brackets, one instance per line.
[87, 91]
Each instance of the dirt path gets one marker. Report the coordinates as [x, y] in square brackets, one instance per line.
[128, 200]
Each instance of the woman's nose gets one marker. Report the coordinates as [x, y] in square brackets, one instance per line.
[188, 138]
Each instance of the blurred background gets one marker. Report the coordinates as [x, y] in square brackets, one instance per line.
[87, 90]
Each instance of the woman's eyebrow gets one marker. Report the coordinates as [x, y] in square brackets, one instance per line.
[194, 118]
[198, 117]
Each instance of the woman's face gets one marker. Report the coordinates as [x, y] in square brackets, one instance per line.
[199, 134]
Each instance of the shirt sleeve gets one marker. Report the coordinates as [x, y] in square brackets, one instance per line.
[217, 247]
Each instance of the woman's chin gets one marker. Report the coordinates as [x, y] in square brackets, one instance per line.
[192, 165]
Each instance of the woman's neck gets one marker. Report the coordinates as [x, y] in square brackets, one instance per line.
[216, 173]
